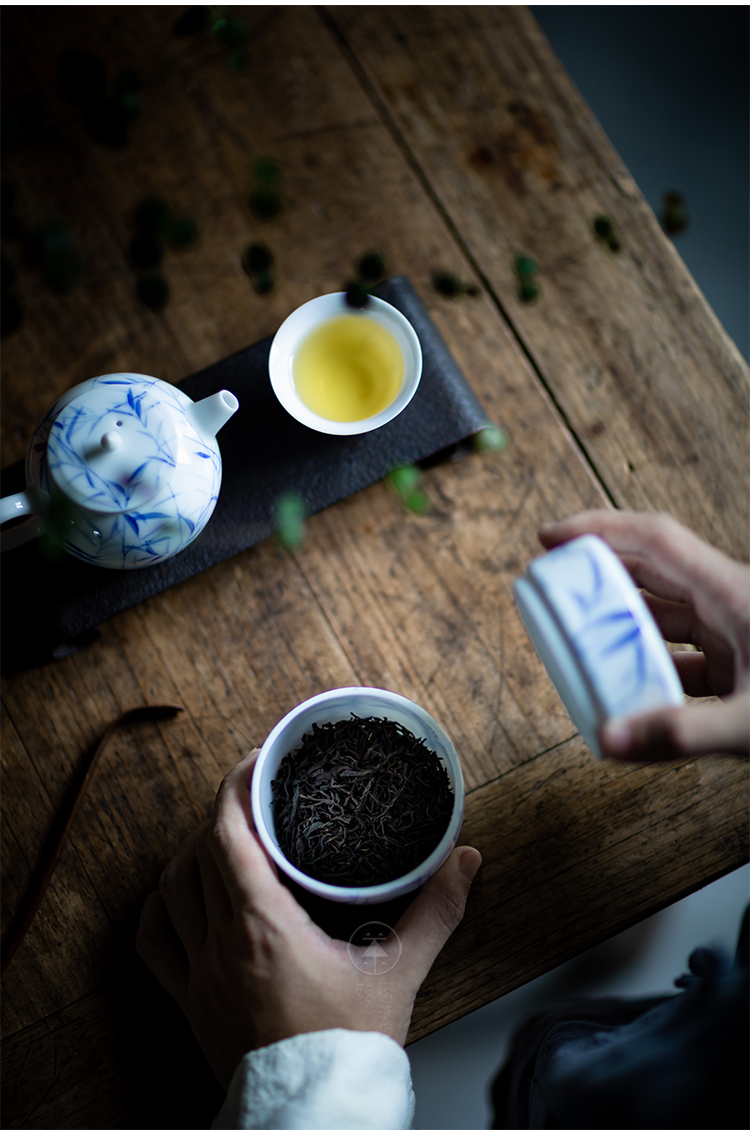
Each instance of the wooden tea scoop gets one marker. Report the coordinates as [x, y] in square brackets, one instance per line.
[142, 712]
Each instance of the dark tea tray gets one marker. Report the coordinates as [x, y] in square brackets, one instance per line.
[49, 610]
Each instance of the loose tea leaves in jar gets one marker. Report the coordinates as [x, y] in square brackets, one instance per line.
[360, 802]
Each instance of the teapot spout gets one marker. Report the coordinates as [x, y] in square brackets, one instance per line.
[208, 416]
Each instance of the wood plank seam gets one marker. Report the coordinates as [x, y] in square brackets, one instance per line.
[394, 132]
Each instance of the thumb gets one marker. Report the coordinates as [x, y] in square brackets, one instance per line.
[437, 911]
[679, 733]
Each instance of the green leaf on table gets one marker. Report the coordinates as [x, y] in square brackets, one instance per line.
[406, 482]
[289, 515]
[230, 31]
[265, 203]
[490, 439]
[180, 231]
[53, 249]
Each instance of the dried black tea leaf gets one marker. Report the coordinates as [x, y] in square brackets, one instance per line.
[371, 267]
[256, 257]
[81, 77]
[190, 22]
[230, 32]
[151, 215]
[674, 217]
[11, 313]
[356, 295]
[360, 802]
[265, 203]
[180, 231]
[146, 250]
[263, 282]
[153, 290]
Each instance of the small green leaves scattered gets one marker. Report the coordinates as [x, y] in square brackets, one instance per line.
[232, 33]
[257, 261]
[289, 516]
[406, 482]
[157, 227]
[490, 439]
[105, 114]
[451, 286]
[604, 229]
[674, 217]
[53, 249]
[526, 269]
[229, 31]
[265, 196]
[265, 203]
[180, 231]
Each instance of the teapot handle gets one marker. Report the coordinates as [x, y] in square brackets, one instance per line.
[12, 507]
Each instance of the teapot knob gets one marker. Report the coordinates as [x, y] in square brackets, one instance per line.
[111, 441]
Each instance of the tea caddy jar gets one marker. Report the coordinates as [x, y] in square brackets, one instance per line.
[339, 704]
[595, 635]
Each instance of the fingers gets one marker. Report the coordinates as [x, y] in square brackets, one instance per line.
[181, 890]
[437, 911]
[679, 733]
[215, 897]
[662, 556]
[248, 876]
[160, 950]
[693, 673]
[676, 620]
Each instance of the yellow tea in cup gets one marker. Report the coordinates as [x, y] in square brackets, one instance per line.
[348, 368]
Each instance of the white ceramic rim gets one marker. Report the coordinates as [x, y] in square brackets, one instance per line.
[420, 722]
[559, 660]
[576, 680]
[298, 325]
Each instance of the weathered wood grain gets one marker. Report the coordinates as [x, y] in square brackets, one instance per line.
[422, 605]
[656, 392]
[570, 846]
[568, 851]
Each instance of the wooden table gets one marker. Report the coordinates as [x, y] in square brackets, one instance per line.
[450, 139]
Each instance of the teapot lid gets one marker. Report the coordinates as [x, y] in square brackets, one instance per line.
[114, 446]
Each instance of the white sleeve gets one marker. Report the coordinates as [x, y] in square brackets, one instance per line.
[322, 1080]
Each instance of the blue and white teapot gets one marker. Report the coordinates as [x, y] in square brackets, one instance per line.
[124, 471]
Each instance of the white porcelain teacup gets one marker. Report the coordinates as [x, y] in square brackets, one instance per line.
[305, 321]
